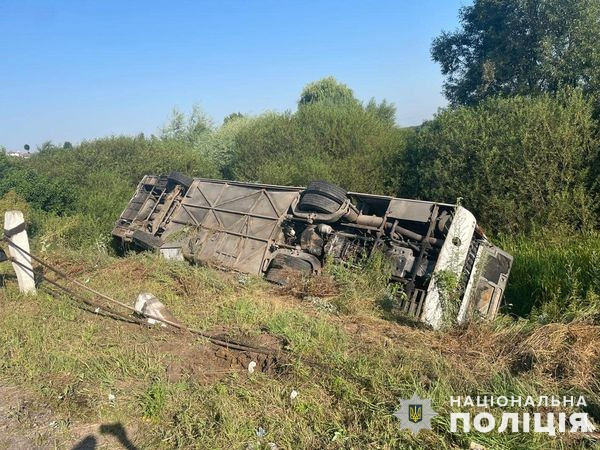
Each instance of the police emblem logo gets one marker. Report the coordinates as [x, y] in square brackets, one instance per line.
[415, 414]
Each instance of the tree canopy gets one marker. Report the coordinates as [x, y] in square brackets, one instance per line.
[327, 90]
[510, 47]
[515, 162]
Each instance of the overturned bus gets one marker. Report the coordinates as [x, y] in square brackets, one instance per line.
[278, 231]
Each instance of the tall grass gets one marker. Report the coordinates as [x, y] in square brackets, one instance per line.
[363, 283]
[555, 275]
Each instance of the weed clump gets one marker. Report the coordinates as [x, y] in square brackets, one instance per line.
[363, 283]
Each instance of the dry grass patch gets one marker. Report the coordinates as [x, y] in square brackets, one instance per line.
[563, 352]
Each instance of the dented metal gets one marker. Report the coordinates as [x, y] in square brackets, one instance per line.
[278, 231]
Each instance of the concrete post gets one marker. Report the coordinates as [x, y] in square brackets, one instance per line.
[14, 228]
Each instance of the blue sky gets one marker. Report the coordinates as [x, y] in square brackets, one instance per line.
[74, 70]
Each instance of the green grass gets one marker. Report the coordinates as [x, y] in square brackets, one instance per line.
[350, 370]
[555, 275]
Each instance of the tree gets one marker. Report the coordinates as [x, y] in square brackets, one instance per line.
[515, 162]
[384, 110]
[45, 147]
[349, 146]
[187, 128]
[509, 47]
[327, 90]
[233, 116]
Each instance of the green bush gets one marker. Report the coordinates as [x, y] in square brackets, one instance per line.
[348, 145]
[128, 158]
[515, 162]
[218, 146]
[85, 188]
[38, 189]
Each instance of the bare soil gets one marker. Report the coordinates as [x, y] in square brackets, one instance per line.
[207, 363]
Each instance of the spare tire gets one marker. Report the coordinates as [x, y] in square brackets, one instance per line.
[181, 179]
[311, 202]
[327, 190]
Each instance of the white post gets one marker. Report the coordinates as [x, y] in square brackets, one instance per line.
[14, 228]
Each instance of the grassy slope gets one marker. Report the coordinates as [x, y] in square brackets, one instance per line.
[350, 371]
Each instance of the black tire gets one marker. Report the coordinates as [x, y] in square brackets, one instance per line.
[312, 202]
[327, 190]
[284, 268]
[181, 179]
[145, 240]
[283, 261]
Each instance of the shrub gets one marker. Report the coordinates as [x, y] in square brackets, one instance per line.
[515, 162]
[363, 284]
[85, 188]
[39, 190]
[129, 158]
[13, 201]
[348, 145]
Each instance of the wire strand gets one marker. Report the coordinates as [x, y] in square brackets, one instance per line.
[224, 342]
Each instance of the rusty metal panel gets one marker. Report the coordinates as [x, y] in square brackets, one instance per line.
[231, 225]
